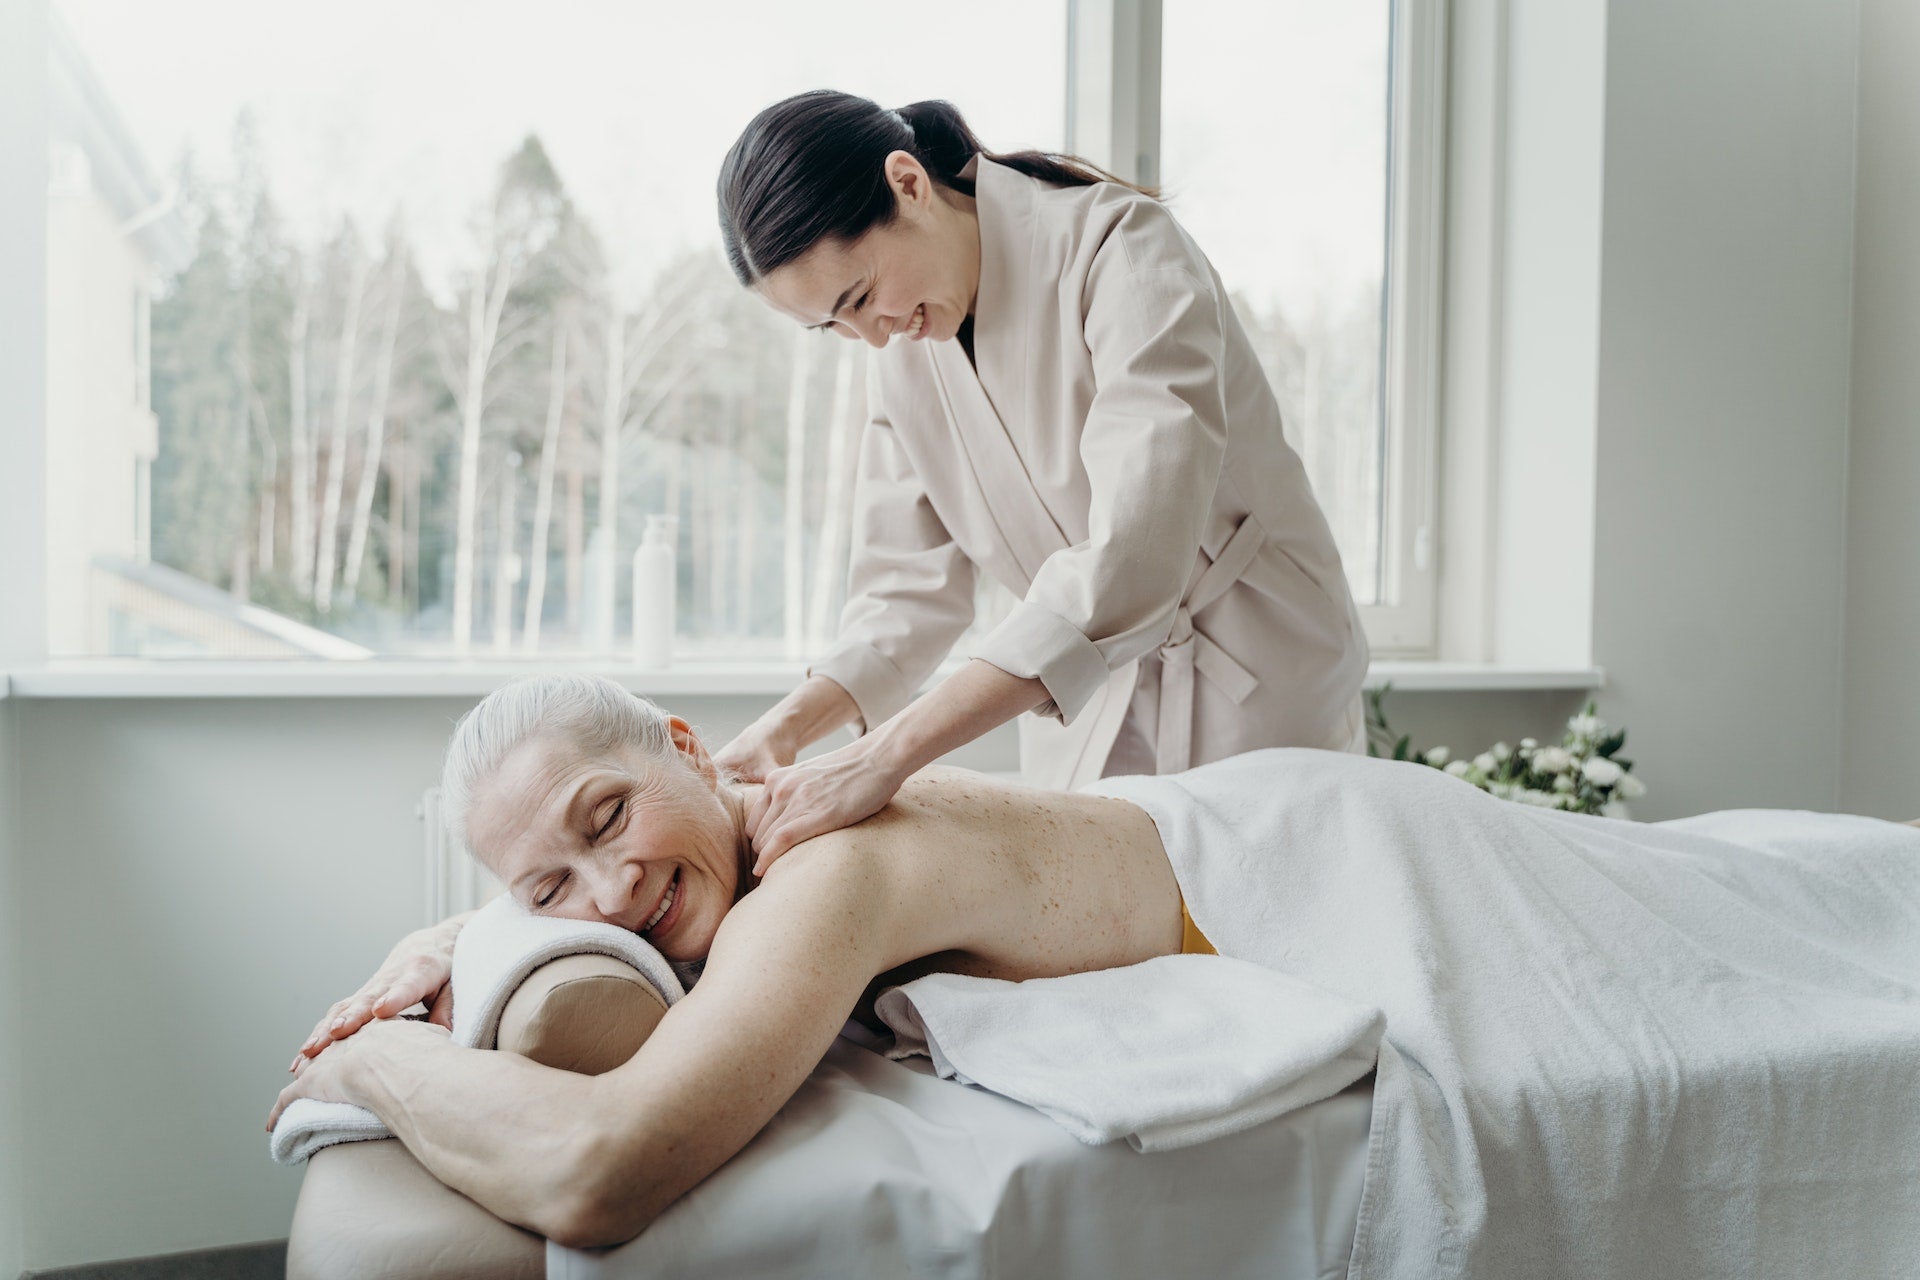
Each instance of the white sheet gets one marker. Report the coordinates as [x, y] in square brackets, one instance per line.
[877, 1168]
[1613, 1049]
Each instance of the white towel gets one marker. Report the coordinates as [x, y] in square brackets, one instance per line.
[494, 954]
[1165, 1054]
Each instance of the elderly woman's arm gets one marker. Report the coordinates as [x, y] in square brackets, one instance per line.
[592, 1160]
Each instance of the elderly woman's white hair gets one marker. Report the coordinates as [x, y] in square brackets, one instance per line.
[592, 713]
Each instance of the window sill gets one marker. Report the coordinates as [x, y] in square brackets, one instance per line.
[133, 678]
[1416, 675]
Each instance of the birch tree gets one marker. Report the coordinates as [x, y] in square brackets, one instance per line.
[327, 533]
[646, 354]
[794, 534]
[506, 557]
[522, 218]
[395, 289]
[300, 445]
[830, 555]
[543, 488]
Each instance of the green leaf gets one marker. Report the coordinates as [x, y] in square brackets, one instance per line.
[1400, 747]
[1611, 743]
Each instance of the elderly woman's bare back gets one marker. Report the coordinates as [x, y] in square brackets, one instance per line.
[960, 873]
[1004, 881]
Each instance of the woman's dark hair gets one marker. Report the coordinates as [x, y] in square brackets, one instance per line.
[811, 167]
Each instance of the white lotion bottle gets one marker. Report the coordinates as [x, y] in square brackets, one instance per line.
[655, 574]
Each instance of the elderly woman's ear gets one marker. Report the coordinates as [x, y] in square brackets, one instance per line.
[694, 751]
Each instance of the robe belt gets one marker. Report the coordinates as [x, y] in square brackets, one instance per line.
[1188, 649]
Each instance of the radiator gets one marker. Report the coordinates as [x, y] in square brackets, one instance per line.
[455, 882]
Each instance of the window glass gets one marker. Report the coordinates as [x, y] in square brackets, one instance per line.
[430, 316]
[1274, 136]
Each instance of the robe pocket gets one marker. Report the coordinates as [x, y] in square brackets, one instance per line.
[1277, 575]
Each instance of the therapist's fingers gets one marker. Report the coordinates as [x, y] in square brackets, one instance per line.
[780, 838]
[757, 811]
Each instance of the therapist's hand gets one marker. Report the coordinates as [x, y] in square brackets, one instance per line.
[816, 796]
[756, 753]
[812, 711]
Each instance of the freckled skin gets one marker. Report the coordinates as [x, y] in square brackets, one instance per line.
[1039, 884]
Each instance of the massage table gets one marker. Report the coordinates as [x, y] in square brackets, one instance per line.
[879, 1168]
[874, 1168]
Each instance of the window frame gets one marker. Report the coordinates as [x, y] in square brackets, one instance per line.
[1113, 119]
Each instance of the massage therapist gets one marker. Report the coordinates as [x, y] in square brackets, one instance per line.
[1065, 401]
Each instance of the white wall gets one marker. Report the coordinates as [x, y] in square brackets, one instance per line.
[1725, 287]
[1550, 308]
[13, 1255]
[23, 159]
[1881, 773]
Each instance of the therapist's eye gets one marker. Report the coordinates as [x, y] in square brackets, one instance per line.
[612, 818]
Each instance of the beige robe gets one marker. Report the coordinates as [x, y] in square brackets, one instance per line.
[1116, 461]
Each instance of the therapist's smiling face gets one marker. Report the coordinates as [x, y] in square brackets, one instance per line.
[913, 279]
[650, 846]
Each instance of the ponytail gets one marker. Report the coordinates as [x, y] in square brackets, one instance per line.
[812, 167]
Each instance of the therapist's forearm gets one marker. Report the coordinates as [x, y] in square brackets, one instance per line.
[812, 711]
[974, 700]
[508, 1133]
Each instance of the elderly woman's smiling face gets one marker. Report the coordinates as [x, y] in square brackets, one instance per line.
[651, 846]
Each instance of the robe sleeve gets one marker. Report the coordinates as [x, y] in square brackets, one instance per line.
[1152, 445]
[910, 589]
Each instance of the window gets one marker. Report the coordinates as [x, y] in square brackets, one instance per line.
[1288, 134]
[430, 316]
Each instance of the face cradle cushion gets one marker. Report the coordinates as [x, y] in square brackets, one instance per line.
[584, 1013]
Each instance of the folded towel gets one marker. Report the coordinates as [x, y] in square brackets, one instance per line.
[495, 953]
[1168, 1053]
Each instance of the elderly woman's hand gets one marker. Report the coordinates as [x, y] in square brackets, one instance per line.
[324, 1076]
[819, 795]
[419, 970]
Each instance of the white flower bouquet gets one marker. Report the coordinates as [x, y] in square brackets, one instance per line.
[1584, 774]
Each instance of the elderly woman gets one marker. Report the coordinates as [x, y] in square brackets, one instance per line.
[1734, 994]
[588, 802]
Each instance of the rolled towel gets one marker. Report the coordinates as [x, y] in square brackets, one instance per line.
[1167, 1053]
[497, 950]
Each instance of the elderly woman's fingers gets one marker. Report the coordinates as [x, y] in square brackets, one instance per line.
[319, 1035]
[280, 1104]
[440, 1009]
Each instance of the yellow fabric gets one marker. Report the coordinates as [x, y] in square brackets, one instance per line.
[1192, 941]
